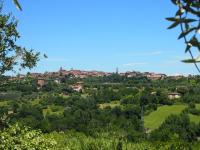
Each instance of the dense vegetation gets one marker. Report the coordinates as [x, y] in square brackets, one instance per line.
[113, 111]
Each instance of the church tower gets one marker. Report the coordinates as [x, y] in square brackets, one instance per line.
[117, 70]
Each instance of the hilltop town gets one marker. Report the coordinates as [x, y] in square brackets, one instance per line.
[85, 74]
[61, 74]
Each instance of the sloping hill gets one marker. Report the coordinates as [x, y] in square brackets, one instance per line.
[195, 118]
[156, 118]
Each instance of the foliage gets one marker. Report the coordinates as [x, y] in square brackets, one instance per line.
[17, 137]
[188, 17]
[111, 108]
[11, 54]
[78, 141]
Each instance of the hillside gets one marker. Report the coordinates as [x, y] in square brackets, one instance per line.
[156, 118]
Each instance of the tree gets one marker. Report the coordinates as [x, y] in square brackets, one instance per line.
[188, 17]
[11, 54]
[176, 126]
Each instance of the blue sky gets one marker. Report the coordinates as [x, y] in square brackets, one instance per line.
[102, 35]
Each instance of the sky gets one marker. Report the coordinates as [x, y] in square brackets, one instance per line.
[102, 35]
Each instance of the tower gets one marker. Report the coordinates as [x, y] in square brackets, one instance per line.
[61, 69]
[117, 70]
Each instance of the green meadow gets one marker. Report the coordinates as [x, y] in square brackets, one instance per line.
[156, 118]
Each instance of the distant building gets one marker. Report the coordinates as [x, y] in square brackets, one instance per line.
[153, 93]
[85, 74]
[117, 70]
[177, 77]
[174, 95]
[40, 82]
[35, 75]
[131, 74]
[10, 112]
[154, 76]
[57, 80]
[77, 87]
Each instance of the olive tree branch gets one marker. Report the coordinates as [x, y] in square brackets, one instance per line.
[185, 39]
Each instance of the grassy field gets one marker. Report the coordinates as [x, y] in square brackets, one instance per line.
[3, 103]
[156, 118]
[198, 106]
[194, 118]
[111, 104]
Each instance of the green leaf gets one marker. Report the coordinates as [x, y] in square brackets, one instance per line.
[17, 5]
[187, 20]
[189, 61]
[194, 41]
[45, 56]
[183, 34]
[187, 48]
[179, 12]
[173, 25]
[172, 19]
[174, 2]
[192, 11]
[197, 60]
[178, 21]
[197, 5]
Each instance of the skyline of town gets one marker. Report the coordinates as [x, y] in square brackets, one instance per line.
[35, 71]
[97, 73]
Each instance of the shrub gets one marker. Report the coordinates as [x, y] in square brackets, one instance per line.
[16, 137]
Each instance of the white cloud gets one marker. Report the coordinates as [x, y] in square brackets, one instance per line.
[135, 64]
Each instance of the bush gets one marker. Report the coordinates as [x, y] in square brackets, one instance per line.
[192, 105]
[194, 111]
[16, 137]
